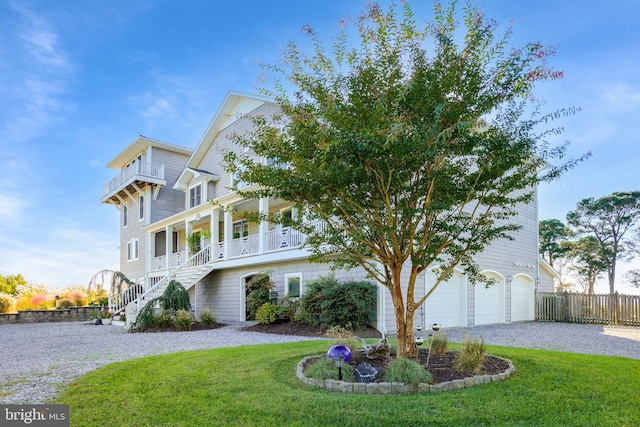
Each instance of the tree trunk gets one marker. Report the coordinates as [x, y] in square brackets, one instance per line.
[404, 318]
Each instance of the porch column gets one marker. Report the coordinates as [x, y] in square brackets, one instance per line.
[188, 230]
[150, 253]
[214, 226]
[168, 245]
[263, 227]
[228, 231]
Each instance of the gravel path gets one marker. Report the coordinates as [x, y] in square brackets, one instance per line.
[35, 359]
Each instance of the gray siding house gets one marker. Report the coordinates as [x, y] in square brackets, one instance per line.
[180, 219]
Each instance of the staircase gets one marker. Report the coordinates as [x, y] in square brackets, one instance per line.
[188, 274]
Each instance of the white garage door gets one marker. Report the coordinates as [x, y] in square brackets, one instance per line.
[447, 305]
[522, 299]
[490, 303]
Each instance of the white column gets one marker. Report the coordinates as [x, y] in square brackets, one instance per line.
[228, 231]
[263, 227]
[214, 226]
[188, 230]
[168, 244]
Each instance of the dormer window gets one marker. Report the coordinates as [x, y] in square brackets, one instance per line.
[195, 196]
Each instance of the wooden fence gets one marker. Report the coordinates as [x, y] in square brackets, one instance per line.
[608, 309]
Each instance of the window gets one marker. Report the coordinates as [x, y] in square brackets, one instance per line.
[133, 249]
[195, 195]
[240, 229]
[293, 285]
[141, 210]
[237, 182]
[125, 216]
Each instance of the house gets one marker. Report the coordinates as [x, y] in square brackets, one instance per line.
[180, 219]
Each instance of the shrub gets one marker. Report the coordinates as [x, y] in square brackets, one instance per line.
[340, 335]
[7, 303]
[183, 320]
[258, 293]
[403, 370]
[175, 297]
[290, 307]
[470, 357]
[65, 303]
[325, 369]
[206, 318]
[268, 313]
[40, 301]
[164, 319]
[439, 343]
[327, 302]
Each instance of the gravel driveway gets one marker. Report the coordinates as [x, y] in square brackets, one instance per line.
[36, 358]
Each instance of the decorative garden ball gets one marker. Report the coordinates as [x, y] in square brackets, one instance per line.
[419, 341]
[419, 328]
[339, 353]
[435, 326]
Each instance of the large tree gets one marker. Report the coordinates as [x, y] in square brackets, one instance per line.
[411, 147]
[608, 219]
[552, 233]
[587, 260]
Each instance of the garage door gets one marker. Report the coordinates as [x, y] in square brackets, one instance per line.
[489, 305]
[522, 299]
[447, 305]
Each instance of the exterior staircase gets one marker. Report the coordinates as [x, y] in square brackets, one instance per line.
[188, 274]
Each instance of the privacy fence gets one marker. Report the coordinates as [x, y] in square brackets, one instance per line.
[608, 309]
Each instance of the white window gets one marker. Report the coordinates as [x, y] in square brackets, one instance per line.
[125, 216]
[240, 229]
[133, 249]
[293, 285]
[195, 195]
[237, 182]
[141, 207]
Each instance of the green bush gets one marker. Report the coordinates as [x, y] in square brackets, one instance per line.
[325, 369]
[290, 307]
[403, 370]
[206, 318]
[65, 303]
[183, 320]
[471, 356]
[175, 297]
[439, 343]
[258, 292]
[164, 319]
[268, 313]
[328, 302]
[7, 303]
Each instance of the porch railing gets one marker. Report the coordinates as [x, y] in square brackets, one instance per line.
[148, 170]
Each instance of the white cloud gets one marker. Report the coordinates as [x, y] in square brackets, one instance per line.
[622, 97]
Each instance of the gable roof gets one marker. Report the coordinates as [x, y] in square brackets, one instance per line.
[139, 145]
[234, 106]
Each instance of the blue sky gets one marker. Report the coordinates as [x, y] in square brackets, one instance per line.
[80, 80]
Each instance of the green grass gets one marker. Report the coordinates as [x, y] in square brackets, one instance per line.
[257, 386]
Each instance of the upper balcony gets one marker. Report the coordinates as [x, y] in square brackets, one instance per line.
[128, 182]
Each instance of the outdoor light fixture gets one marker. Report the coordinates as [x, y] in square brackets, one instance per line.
[341, 354]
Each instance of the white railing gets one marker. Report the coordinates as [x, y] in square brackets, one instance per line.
[283, 238]
[149, 170]
[175, 259]
[157, 284]
[243, 246]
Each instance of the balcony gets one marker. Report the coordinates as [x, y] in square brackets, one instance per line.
[129, 180]
[277, 240]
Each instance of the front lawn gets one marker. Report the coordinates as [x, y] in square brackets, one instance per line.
[257, 386]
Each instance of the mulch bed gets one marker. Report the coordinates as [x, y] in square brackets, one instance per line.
[197, 326]
[305, 330]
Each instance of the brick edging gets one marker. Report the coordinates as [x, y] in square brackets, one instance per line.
[400, 388]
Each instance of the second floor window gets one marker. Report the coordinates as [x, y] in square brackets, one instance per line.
[133, 249]
[195, 196]
[125, 216]
[141, 212]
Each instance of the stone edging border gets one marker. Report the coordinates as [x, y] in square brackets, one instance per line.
[401, 388]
